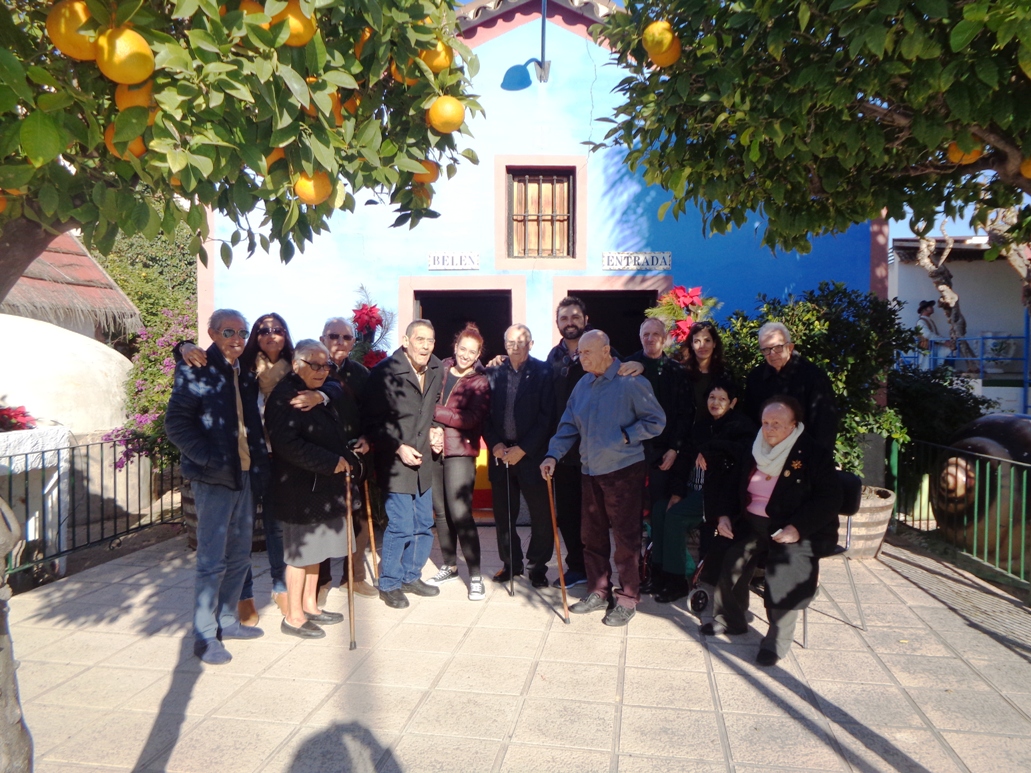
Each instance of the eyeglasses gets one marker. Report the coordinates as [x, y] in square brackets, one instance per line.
[271, 331]
[339, 336]
[229, 333]
[315, 366]
[767, 351]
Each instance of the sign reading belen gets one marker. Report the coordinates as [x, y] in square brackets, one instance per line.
[454, 261]
[636, 261]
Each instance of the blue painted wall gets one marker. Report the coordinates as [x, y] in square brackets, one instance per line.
[553, 118]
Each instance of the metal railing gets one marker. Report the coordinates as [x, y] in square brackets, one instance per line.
[77, 497]
[976, 502]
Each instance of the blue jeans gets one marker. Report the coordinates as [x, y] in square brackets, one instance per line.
[225, 526]
[276, 562]
[407, 540]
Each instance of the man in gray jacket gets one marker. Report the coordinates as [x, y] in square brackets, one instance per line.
[611, 417]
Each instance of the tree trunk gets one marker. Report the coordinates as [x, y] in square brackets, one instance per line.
[21, 242]
[947, 297]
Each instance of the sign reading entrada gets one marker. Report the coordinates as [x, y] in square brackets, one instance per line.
[636, 261]
[454, 261]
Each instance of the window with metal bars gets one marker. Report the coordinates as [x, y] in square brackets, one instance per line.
[540, 213]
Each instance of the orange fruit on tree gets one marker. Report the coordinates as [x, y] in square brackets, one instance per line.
[396, 73]
[351, 105]
[362, 39]
[658, 37]
[446, 114]
[138, 96]
[124, 56]
[137, 146]
[273, 157]
[438, 59]
[670, 56]
[63, 22]
[313, 189]
[431, 175]
[1025, 167]
[957, 156]
[3, 204]
[302, 28]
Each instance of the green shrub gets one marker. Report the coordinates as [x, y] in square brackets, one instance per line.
[934, 404]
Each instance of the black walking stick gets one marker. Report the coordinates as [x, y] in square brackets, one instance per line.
[512, 535]
[350, 561]
[372, 534]
[558, 549]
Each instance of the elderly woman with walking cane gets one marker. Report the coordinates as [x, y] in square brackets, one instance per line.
[312, 468]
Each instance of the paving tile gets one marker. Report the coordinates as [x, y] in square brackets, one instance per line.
[945, 673]
[254, 657]
[382, 708]
[865, 703]
[85, 647]
[1007, 676]
[942, 619]
[541, 759]
[978, 712]
[192, 692]
[148, 594]
[483, 673]
[513, 616]
[753, 694]
[888, 616]
[836, 666]
[423, 638]
[581, 647]
[284, 700]
[500, 642]
[100, 687]
[65, 767]
[869, 593]
[630, 763]
[733, 658]
[674, 689]
[906, 641]
[565, 723]
[439, 754]
[139, 738]
[973, 643]
[437, 612]
[470, 715]
[225, 745]
[399, 668]
[773, 741]
[321, 664]
[344, 746]
[892, 750]
[36, 677]
[670, 733]
[990, 753]
[687, 654]
[663, 627]
[915, 596]
[587, 681]
[158, 652]
[51, 726]
[27, 639]
[831, 635]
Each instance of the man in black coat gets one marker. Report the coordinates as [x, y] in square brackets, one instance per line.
[212, 418]
[517, 431]
[398, 405]
[786, 372]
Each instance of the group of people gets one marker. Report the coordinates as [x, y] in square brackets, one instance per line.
[299, 427]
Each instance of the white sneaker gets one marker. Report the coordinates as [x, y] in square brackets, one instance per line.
[476, 589]
[443, 575]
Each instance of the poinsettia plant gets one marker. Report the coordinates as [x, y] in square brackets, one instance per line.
[680, 308]
[14, 418]
[372, 325]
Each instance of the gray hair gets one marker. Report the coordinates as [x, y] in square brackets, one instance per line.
[594, 334]
[307, 345]
[648, 320]
[774, 327]
[417, 323]
[519, 326]
[337, 321]
[221, 315]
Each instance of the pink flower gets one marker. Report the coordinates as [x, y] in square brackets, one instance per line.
[686, 298]
[373, 357]
[681, 330]
[367, 318]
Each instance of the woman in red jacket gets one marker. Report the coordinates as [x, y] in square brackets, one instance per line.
[463, 405]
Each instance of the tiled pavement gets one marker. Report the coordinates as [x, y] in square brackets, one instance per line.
[940, 682]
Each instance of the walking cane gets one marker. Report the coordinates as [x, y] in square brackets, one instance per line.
[350, 561]
[512, 534]
[372, 534]
[558, 548]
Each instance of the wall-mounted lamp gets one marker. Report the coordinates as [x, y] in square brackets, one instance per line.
[517, 77]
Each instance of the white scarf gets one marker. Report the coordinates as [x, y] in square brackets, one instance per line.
[771, 459]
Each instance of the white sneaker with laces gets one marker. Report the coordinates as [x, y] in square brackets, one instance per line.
[476, 590]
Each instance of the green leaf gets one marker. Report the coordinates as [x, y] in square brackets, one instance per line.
[663, 210]
[340, 79]
[52, 101]
[8, 99]
[130, 123]
[295, 83]
[803, 16]
[172, 56]
[43, 77]
[40, 138]
[177, 160]
[184, 9]
[126, 10]
[226, 253]
[964, 32]
[100, 11]
[1024, 59]
[16, 175]
[13, 74]
[934, 9]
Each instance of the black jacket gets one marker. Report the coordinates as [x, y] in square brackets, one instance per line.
[397, 413]
[353, 375]
[534, 408]
[726, 444]
[802, 380]
[201, 421]
[306, 446]
[669, 382]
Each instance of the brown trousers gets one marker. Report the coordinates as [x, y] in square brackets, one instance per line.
[614, 501]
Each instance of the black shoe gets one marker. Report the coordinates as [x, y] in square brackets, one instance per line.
[718, 629]
[325, 618]
[592, 602]
[539, 580]
[653, 584]
[307, 631]
[767, 658]
[677, 589]
[395, 599]
[504, 575]
[420, 588]
[618, 616]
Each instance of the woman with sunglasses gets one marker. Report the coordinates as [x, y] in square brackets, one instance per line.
[269, 354]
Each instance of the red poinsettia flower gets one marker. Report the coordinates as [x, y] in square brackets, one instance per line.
[373, 357]
[685, 297]
[367, 318]
[694, 296]
[681, 330]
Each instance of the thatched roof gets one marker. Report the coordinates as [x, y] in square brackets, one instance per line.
[66, 283]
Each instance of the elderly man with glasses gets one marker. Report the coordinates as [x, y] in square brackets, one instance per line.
[786, 372]
[338, 336]
[213, 419]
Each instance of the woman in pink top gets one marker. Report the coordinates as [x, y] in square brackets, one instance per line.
[787, 510]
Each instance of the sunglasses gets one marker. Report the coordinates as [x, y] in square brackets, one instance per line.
[339, 336]
[772, 350]
[271, 331]
[315, 366]
[229, 333]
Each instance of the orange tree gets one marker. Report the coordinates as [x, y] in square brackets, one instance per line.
[133, 116]
[819, 114]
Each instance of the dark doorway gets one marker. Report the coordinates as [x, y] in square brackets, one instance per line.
[619, 313]
[451, 310]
